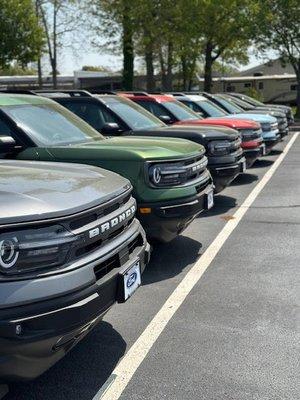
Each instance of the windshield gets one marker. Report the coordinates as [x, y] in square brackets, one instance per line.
[180, 111]
[252, 101]
[243, 104]
[211, 109]
[51, 124]
[135, 116]
[231, 108]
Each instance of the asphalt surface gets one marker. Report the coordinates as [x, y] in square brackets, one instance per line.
[236, 336]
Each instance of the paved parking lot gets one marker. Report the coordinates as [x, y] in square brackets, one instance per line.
[236, 334]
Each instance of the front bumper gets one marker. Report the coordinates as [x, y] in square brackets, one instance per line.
[166, 220]
[252, 151]
[271, 142]
[223, 175]
[35, 336]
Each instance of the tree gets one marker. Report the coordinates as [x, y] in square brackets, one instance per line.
[225, 29]
[279, 29]
[59, 19]
[21, 36]
[114, 20]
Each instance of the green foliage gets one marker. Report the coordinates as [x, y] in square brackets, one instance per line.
[15, 69]
[97, 68]
[278, 27]
[255, 94]
[21, 37]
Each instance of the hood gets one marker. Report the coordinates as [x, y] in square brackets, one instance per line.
[273, 113]
[32, 191]
[260, 118]
[237, 124]
[137, 148]
[196, 133]
[279, 107]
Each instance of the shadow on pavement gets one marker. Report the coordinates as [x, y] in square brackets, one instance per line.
[222, 205]
[275, 152]
[262, 163]
[169, 259]
[244, 179]
[81, 373]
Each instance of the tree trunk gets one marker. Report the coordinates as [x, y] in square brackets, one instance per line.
[54, 71]
[169, 76]
[150, 68]
[162, 70]
[298, 96]
[184, 73]
[128, 55]
[39, 63]
[208, 67]
[40, 76]
[54, 57]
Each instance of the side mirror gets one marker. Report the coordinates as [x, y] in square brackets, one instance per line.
[111, 128]
[166, 119]
[201, 114]
[7, 143]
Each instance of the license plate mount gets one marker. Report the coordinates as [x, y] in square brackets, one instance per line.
[130, 281]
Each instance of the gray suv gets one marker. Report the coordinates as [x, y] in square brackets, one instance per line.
[70, 247]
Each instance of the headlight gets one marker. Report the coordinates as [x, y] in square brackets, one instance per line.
[266, 126]
[168, 174]
[219, 148]
[248, 134]
[34, 249]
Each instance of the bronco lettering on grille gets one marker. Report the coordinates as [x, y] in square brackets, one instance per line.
[106, 226]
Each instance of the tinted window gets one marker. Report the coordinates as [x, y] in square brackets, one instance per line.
[94, 114]
[133, 115]
[4, 129]
[51, 124]
[180, 111]
[211, 109]
[192, 105]
[155, 108]
[231, 108]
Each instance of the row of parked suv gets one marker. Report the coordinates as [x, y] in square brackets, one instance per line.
[85, 181]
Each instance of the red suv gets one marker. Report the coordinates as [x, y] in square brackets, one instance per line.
[171, 111]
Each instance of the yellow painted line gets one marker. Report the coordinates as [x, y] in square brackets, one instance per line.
[139, 350]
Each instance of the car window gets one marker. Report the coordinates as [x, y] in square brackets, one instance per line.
[51, 124]
[5, 130]
[134, 116]
[211, 109]
[192, 105]
[155, 108]
[94, 114]
[180, 111]
[231, 108]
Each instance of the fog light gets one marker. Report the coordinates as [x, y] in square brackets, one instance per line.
[145, 210]
[18, 329]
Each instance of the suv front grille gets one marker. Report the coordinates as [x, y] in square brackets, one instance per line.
[177, 173]
[119, 259]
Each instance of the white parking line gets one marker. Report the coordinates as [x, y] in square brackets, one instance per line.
[131, 361]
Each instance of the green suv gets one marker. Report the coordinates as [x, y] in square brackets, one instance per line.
[170, 179]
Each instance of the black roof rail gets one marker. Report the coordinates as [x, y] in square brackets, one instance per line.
[135, 93]
[18, 91]
[100, 91]
[70, 92]
[176, 94]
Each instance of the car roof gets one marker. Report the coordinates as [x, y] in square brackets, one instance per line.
[7, 99]
[159, 98]
[192, 97]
